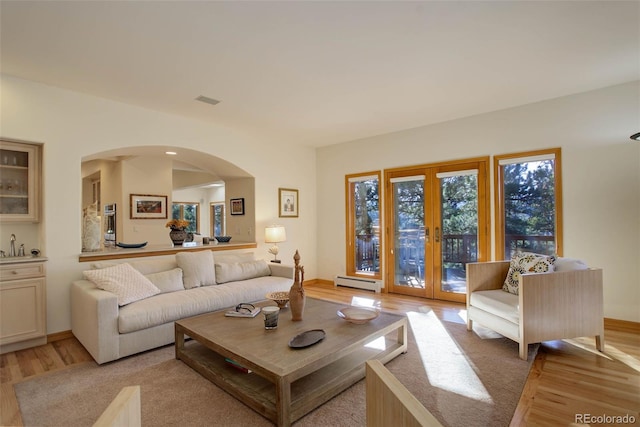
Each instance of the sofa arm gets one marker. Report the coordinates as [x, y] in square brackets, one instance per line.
[281, 270]
[486, 276]
[94, 320]
[561, 305]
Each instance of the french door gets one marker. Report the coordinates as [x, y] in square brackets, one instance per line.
[437, 222]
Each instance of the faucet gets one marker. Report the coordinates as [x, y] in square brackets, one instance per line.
[21, 250]
[12, 249]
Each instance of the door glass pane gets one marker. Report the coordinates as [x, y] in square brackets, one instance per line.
[366, 226]
[529, 207]
[459, 225]
[409, 232]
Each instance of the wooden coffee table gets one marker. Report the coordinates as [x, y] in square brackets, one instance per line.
[285, 383]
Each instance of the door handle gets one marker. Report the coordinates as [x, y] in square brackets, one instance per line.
[426, 234]
[437, 234]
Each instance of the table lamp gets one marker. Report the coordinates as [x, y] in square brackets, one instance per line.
[275, 234]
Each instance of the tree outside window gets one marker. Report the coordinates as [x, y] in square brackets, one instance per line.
[189, 212]
[363, 224]
[529, 203]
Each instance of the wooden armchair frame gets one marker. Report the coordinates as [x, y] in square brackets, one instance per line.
[551, 306]
[390, 403]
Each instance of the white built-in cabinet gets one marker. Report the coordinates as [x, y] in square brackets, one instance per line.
[19, 181]
[22, 278]
[23, 302]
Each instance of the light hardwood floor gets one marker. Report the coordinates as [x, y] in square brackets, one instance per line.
[567, 378]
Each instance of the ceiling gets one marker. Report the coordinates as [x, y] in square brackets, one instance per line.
[320, 73]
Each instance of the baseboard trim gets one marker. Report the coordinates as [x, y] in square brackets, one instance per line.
[621, 325]
[59, 336]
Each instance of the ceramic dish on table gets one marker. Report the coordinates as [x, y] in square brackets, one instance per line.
[357, 315]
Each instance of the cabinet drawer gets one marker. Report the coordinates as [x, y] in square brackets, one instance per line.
[21, 271]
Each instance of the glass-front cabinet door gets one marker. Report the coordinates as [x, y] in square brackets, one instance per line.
[19, 181]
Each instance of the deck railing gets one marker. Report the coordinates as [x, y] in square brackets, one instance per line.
[456, 248]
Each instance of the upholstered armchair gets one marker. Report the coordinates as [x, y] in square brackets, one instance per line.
[566, 303]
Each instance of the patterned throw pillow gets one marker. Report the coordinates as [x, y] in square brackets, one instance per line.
[526, 263]
[126, 282]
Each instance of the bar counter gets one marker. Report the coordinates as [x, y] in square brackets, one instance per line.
[157, 250]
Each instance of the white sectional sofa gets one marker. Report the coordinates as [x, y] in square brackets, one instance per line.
[120, 309]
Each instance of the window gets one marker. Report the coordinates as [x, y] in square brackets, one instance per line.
[363, 224]
[528, 203]
[187, 211]
[217, 219]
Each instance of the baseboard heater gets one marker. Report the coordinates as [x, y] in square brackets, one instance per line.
[358, 282]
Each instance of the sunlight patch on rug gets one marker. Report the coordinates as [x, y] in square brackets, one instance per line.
[444, 362]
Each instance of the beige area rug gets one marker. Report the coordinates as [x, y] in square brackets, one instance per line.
[463, 378]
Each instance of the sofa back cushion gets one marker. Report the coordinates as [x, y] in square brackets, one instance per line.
[155, 265]
[167, 281]
[127, 283]
[526, 263]
[232, 272]
[145, 267]
[197, 268]
[228, 258]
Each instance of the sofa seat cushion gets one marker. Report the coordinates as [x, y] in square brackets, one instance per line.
[169, 307]
[498, 302]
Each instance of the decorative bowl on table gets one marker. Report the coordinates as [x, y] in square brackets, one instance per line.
[357, 315]
[281, 298]
[223, 239]
[131, 245]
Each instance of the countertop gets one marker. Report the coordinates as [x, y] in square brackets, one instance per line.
[156, 250]
[21, 259]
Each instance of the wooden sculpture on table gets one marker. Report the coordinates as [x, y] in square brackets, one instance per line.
[296, 293]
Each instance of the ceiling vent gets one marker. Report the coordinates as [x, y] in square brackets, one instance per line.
[207, 100]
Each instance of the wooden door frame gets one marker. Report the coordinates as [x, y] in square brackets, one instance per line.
[431, 190]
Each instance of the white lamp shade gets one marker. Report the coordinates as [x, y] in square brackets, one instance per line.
[275, 234]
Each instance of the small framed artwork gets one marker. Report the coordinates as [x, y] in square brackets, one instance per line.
[147, 206]
[288, 202]
[237, 206]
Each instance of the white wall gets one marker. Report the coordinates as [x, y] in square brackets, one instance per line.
[144, 175]
[73, 125]
[600, 165]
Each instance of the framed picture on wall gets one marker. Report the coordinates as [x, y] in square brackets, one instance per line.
[288, 202]
[147, 206]
[237, 206]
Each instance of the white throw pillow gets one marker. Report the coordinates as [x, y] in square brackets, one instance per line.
[569, 264]
[167, 281]
[525, 263]
[231, 272]
[126, 282]
[197, 268]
